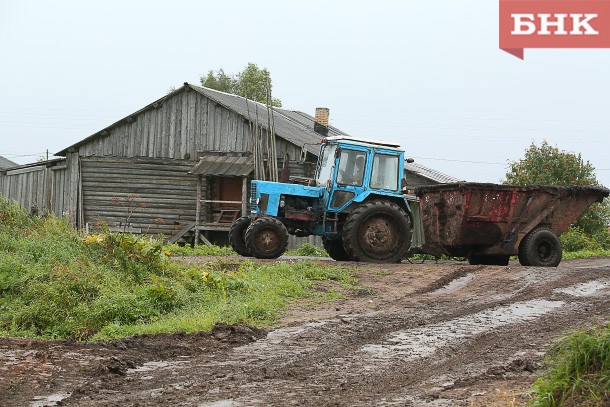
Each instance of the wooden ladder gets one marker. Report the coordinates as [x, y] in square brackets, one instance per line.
[228, 215]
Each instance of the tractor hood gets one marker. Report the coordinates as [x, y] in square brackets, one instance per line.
[266, 195]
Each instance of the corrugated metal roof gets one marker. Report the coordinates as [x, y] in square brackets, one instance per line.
[224, 165]
[430, 174]
[5, 163]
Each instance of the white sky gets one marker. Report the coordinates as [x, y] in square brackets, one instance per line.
[427, 74]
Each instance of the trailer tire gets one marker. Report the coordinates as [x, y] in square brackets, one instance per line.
[335, 249]
[540, 247]
[377, 232]
[237, 238]
[266, 238]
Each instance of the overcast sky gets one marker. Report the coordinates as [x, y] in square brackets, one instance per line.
[427, 74]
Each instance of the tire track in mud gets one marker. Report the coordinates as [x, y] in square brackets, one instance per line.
[373, 364]
[445, 345]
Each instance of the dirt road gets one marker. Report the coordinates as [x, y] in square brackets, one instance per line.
[425, 335]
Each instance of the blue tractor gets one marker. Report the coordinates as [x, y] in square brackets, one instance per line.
[355, 204]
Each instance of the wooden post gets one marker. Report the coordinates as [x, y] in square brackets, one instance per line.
[244, 196]
[198, 209]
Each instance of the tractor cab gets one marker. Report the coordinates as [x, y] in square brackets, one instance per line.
[356, 206]
[352, 169]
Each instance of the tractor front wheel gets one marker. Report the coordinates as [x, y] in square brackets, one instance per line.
[266, 238]
[237, 238]
[377, 232]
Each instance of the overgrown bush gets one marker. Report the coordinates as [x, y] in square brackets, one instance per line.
[575, 240]
[577, 372]
[307, 249]
[55, 283]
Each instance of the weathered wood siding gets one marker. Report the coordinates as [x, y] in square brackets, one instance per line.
[40, 187]
[184, 127]
[179, 128]
[149, 195]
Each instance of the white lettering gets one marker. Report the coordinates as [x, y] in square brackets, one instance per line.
[520, 24]
[545, 23]
[577, 23]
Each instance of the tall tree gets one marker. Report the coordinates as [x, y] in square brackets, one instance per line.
[251, 83]
[547, 165]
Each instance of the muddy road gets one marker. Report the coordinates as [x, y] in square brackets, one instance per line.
[416, 334]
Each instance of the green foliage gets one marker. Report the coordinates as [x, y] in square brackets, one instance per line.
[585, 254]
[547, 165]
[307, 249]
[578, 370]
[251, 83]
[200, 250]
[56, 284]
[575, 240]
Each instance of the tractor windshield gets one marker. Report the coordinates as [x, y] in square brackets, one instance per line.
[325, 164]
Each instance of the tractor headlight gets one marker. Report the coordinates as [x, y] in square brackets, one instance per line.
[282, 201]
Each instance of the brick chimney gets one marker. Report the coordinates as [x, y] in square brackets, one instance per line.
[321, 118]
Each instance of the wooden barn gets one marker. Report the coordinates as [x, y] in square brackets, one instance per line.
[181, 163]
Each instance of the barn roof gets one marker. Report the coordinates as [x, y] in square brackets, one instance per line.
[295, 127]
[5, 163]
[225, 165]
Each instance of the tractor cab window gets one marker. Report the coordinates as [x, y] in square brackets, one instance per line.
[351, 167]
[325, 164]
[385, 172]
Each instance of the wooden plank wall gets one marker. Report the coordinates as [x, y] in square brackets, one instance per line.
[159, 191]
[181, 128]
[40, 187]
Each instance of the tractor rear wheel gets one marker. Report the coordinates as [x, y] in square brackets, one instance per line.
[377, 232]
[335, 249]
[266, 238]
[540, 247]
[236, 236]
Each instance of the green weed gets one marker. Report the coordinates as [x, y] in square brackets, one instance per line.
[578, 371]
[55, 283]
[309, 250]
[200, 250]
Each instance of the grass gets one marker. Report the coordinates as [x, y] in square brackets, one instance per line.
[309, 250]
[200, 250]
[56, 283]
[586, 253]
[577, 371]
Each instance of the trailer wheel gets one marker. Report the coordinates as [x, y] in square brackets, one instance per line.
[377, 232]
[540, 247]
[236, 236]
[266, 238]
[335, 249]
[496, 260]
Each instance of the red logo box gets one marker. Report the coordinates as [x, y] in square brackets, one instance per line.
[553, 24]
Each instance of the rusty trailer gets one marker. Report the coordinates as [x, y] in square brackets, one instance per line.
[488, 223]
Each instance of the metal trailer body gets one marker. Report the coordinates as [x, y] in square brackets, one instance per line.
[488, 223]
